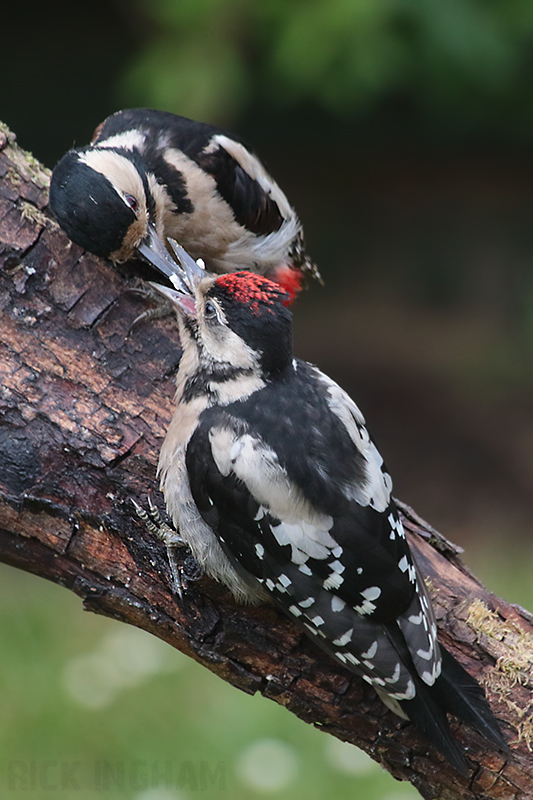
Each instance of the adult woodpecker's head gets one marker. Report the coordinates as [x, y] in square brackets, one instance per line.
[107, 203]
[233, 322]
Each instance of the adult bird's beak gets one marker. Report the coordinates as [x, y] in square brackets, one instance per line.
[154, 251]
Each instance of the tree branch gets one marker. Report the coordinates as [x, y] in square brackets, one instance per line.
[84, 408]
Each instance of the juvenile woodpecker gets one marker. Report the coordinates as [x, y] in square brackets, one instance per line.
[148, 175]
[271, 477]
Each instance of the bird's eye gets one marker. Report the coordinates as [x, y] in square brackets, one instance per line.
[132, 202]
[210, 310]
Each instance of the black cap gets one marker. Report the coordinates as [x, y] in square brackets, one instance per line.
[87, 206]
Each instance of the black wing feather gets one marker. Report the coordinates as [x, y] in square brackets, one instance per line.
[253, 208]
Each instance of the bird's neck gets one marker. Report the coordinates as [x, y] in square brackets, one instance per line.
[208, 383]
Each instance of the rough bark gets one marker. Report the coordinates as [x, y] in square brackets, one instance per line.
[84, 405]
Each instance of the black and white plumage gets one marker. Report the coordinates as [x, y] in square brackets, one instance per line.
[148, 175]
[271, 477]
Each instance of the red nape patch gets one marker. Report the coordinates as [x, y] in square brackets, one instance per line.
[290, 279]
[252, 289]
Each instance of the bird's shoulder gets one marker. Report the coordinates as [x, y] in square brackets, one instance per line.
[319, 436]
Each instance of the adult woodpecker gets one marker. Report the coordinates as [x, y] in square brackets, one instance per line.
[272, 479]
[148, 175]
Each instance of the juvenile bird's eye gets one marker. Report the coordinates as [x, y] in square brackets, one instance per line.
[132, 202]
[210, 310]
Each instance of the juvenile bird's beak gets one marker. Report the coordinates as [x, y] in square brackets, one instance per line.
[184, 273]
[194, 270]
[184, 303]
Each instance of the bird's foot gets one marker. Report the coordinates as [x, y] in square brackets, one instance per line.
[189, 569]
[162, 308]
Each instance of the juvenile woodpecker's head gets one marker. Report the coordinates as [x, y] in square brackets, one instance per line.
[103, 201]
[233, 321]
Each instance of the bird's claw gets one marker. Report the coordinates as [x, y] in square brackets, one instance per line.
[189, 569]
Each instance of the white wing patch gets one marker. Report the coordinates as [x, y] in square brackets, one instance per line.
[257, 465]
[301, 527]
[127, 140]
[306, 540]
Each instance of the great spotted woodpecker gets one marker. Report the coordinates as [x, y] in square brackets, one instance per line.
[271, 478]
[148, 175]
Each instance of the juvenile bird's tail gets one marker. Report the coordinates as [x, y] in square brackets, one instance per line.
[461, 695]
[457, 693]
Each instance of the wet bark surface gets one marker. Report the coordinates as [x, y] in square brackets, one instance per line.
[85, 400]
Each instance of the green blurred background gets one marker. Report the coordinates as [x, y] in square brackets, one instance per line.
[402, 130]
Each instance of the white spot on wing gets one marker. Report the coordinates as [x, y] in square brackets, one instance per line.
[367, 607]
[409, 693]
[403, 564]
[341, 656]
[337, 603]
[344, 639]
[396, 674]
[306, 539]
[371, 652]
[334, 581]
[431, 677]
[372, 593]
[352, 658]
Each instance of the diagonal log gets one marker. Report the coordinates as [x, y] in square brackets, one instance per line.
[84, 406]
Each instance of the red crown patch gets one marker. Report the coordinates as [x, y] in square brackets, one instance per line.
[252, 289]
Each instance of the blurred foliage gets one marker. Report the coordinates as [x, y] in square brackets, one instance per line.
[460, 59]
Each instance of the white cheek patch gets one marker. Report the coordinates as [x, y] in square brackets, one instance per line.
[223, 346]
